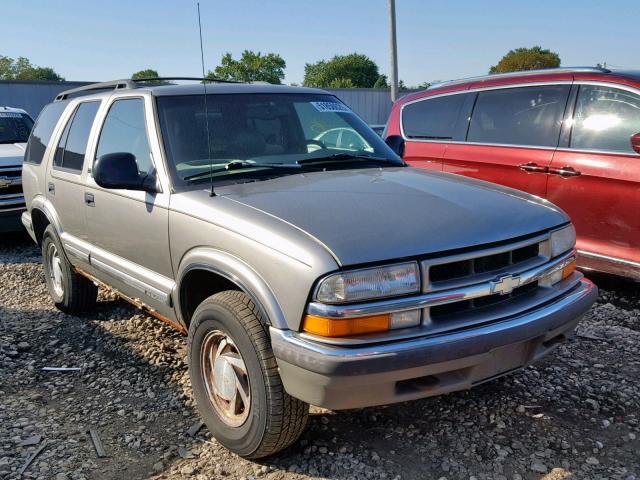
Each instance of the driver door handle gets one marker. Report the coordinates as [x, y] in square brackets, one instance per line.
[89, 199]
[565, 171]
[532, 167]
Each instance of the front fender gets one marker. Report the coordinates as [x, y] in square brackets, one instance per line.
[238, 272]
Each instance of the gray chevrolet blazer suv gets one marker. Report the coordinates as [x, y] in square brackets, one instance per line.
[306, 261]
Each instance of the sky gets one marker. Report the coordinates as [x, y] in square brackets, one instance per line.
[437, 40]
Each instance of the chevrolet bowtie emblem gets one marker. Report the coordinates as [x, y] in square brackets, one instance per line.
[505, 285]
[5, 182]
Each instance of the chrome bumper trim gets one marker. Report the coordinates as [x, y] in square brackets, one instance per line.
[435, 298]
[582, 296]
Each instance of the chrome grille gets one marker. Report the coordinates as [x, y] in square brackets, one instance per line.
[483, 266]
[473, 267]
[442, 312]
[11, 196]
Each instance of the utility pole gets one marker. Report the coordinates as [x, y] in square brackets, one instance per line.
[393, 45]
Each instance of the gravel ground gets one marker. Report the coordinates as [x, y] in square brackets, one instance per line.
[574, 415]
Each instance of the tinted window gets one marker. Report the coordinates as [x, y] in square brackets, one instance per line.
[74, 139]
[605, 118]
[14, 127]
[124, 131]
[42, 131]
[519, 116]
[432, 119]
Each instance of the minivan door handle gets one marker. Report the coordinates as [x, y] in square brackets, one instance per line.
[532, 167]
[565, 171]
[89, 199]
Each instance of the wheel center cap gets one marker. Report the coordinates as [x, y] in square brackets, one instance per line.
[225, 378]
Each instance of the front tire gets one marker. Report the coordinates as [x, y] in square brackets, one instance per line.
[235, 379]
[71, 292]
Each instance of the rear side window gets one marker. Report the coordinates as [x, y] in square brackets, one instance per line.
[73, 143]
[124, 130]
[42, 131]
[519, 116]
[432, 119]
[605, 118]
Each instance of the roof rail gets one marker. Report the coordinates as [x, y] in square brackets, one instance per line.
[112, 85]
[195, 79]
[130, 83]
[541, 71]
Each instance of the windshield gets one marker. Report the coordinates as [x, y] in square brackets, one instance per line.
[14, 127]
[256, 131]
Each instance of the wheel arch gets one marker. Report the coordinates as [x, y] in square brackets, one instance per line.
[43, 214]
[204, 272]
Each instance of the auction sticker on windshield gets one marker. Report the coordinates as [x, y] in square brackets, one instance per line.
[331, 107]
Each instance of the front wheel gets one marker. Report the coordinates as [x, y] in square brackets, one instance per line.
[235, 378]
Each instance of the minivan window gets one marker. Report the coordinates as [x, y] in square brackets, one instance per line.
[519, 116]
[432, 119]
[124, 130]
[605, 118]
[73, 143]
[14, 127]
[42, 131]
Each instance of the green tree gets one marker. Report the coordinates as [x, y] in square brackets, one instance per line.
[355, 70]
[146, 73]
[22, 69]
[526, 59]
[252, 67]
[381, 82]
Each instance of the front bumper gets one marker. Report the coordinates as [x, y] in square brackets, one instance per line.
[339, 377]
[10, 220]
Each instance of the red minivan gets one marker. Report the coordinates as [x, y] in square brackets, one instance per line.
[570, 135]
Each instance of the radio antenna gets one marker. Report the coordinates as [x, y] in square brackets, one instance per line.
[206, 113]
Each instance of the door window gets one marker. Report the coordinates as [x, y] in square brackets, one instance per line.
[124, 131]
[73, 143]
[605, 118]
[432, 119]
[519, 116]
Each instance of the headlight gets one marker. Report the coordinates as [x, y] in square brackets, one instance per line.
[562, 240]
[369, 283]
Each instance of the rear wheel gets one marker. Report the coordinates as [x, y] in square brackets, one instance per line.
[70, 291]
[235, 379]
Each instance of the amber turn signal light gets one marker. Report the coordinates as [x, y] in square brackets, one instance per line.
[343, 327]
[568, 270]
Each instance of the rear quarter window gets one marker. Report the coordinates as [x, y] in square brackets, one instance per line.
[42, 131]
[433, 118]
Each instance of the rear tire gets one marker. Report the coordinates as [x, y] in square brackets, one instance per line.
[71, 292]
[235, 379]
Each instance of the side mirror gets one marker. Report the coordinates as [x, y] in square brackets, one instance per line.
[120, 170]
[635, 142]
[396, 143]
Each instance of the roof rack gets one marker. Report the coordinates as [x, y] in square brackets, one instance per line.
[130, 83]
[520, 73]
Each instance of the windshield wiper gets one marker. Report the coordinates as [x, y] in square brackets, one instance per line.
[239, 165]
[341, 157]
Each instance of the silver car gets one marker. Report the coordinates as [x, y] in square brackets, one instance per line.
[302, 273]
[15, 126]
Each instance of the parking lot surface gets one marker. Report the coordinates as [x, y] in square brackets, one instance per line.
[574, 415]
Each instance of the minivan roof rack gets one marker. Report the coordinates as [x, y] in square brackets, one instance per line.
[523, 72]
[130, 83]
